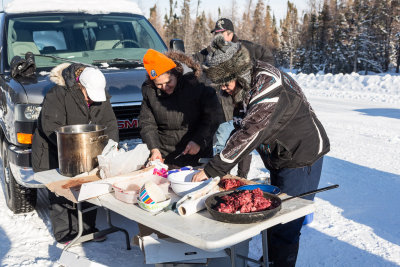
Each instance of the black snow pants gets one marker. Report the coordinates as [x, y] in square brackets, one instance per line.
[283, 239]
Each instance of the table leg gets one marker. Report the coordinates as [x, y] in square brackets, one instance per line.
[233, 256]
[265, 262]
[80, 228]
[112, 229]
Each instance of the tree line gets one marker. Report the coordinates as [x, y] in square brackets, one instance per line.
[331, 36]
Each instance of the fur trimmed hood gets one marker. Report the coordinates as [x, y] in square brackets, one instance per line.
[180, 58]
[64, 74]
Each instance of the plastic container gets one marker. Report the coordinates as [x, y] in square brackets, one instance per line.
[151, 193]
[155, 206]
[264, 187]
[126, 191]
[181, 182]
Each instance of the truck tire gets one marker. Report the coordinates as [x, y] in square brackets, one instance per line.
[19, 199]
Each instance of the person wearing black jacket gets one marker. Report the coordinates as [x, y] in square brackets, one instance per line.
[179, 115]
[279, 122]
[225, 28]
[79, 97]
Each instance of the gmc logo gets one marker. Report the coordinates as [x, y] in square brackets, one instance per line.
[127, 124]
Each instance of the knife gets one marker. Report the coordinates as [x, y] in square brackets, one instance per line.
[179, 155]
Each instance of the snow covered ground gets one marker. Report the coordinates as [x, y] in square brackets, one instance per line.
[354, 225]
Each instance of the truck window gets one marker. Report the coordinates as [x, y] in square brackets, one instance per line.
[82, 38]
[49, 39]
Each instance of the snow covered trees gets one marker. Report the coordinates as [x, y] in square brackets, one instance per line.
[331, 36]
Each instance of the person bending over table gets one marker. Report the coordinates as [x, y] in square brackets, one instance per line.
[278, 122]
[179, 115]
[79, 97]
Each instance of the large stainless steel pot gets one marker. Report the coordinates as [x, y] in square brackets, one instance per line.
[78, 147]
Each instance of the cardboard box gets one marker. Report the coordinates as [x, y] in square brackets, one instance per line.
[81, 188]
[166, 250]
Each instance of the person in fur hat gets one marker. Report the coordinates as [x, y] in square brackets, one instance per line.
[79, 97]
[225, 27]
[179, 115]
[279, 123]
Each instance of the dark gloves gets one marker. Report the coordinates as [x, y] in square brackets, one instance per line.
[23, 67]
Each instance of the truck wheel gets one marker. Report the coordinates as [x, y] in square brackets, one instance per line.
[19, 199]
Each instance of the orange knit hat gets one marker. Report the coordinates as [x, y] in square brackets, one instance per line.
[157, 63]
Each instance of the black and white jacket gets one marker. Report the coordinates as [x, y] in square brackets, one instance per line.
[278, 122]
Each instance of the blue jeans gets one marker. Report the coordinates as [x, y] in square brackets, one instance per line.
[222, 135]
[283, 239]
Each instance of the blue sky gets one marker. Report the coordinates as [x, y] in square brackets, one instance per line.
[278, 7]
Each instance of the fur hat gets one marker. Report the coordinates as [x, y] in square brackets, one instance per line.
[228, 61]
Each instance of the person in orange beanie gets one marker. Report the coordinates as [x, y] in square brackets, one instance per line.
[179, 115]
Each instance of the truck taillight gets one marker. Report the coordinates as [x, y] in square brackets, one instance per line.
[24, 138]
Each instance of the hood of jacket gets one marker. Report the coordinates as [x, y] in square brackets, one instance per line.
[64, 74]
[179, 58]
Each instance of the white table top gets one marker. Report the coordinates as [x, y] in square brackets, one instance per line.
[200, 229]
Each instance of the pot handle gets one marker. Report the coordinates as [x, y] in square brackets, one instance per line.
[314, 191]
[100, 138]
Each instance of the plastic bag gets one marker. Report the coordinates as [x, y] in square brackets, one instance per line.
[160, 168]
[114, 161]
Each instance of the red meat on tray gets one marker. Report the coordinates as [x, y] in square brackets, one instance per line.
[228, 184]
[244, 202]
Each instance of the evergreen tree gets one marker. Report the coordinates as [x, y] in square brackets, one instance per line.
[363, 49]
[340, 61]
[233, 10]
[258, 30]
[201, 33]
[186, 26]
[308, 56]
[289, 36]
[270, 36]
[155, 20]
[275, 36]
[245, 28]
[336, 36]
[172, 23]
[325, 36]
[387, 14]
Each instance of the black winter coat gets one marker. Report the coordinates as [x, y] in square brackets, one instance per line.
[278, 122]
[168, 122]
[257, 52]
[65, 105]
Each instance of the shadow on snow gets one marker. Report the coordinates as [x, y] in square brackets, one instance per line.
[366, 196]
[381, 112]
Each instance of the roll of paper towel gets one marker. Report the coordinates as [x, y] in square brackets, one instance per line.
[192, 206]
